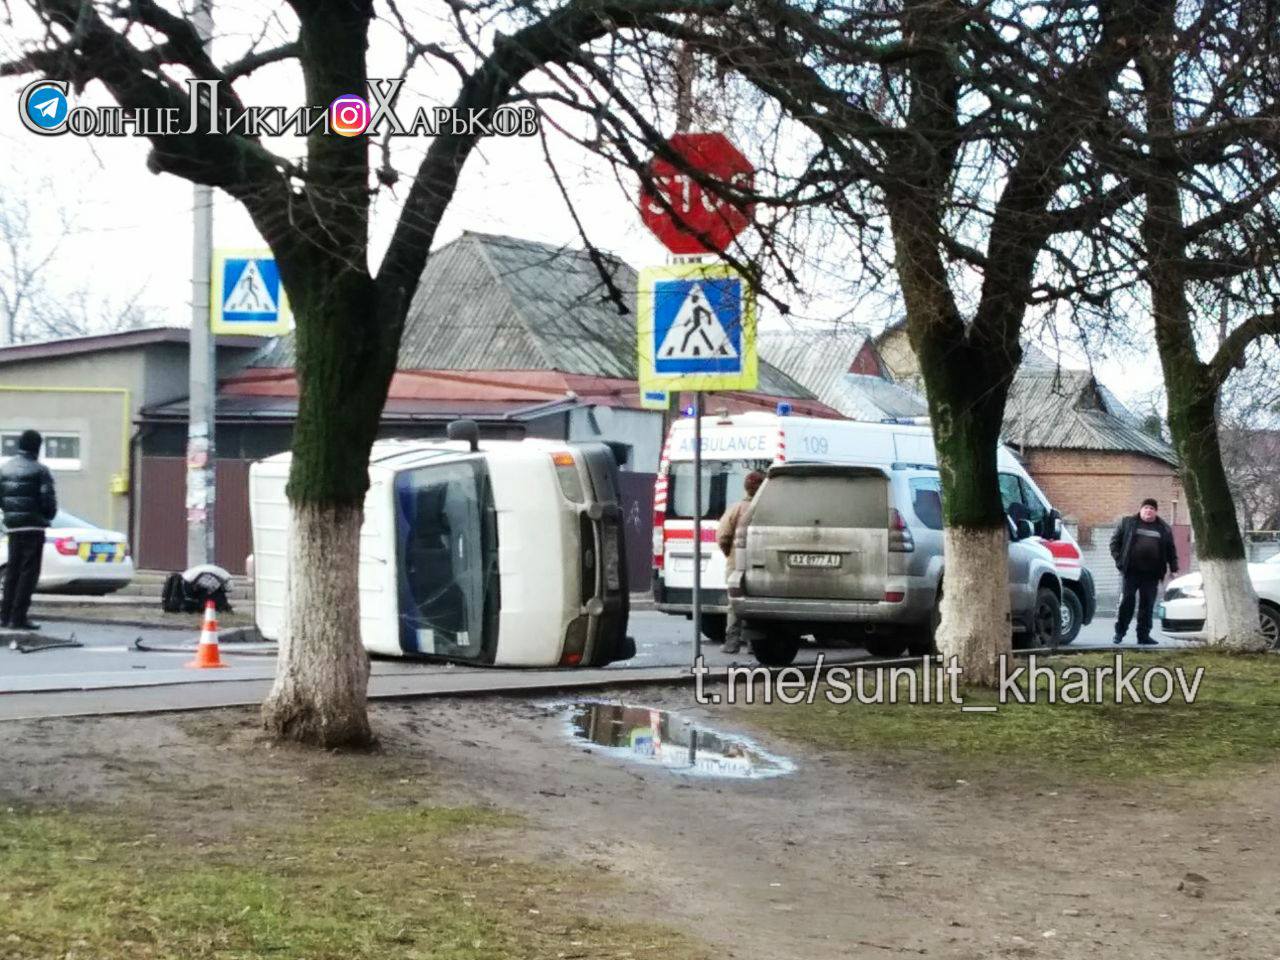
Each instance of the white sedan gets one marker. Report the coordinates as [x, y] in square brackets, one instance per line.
[80, 558]
[1181, 612]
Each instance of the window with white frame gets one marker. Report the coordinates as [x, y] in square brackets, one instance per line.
[61, 451]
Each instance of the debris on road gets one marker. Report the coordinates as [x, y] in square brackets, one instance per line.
[33, 643]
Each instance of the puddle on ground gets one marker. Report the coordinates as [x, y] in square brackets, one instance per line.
[662, 739]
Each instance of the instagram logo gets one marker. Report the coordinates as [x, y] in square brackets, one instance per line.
[348, 115]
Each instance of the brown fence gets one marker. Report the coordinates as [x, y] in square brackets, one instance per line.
[162, 514]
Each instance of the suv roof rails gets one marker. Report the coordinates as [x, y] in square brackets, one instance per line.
[906, 465]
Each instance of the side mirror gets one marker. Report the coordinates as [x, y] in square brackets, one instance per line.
[1024, 529]
[1051, 525]
[465, 430]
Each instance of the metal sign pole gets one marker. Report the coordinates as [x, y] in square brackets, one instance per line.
[203, 379]
[697, 526]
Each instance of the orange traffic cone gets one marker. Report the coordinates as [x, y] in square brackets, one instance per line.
[207, 651]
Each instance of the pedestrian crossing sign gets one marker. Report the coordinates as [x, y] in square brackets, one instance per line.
[246, 295]
[696, 329]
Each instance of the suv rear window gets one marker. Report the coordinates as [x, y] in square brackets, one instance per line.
[926, 501]
[829, 501]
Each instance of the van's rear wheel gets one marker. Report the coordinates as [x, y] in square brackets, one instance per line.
[775, 648]
[1046, 619]
[883, 648]
[922, 645]
[713, 626]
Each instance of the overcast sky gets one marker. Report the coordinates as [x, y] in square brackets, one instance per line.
[133, 229]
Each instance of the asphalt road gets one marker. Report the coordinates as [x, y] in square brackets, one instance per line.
[109, 660]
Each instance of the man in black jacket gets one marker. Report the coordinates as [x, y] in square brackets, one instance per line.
[28, 504]
[1144, 552]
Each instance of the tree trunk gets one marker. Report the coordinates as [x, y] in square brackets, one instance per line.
[976, 627]
[322, 672]
[967, 382]
[346, 356]
[1231, 604]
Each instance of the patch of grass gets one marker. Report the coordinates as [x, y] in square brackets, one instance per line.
[1233, 722]
[371, 883]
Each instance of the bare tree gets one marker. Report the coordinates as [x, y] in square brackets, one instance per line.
[948, 138]
[314, 214]
[1197, 136]
[32, 306]
[1249, 429]
[1030, 158]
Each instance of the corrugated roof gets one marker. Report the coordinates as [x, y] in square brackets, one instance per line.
[1070, 410]
[820, 361]
[488, 302]
[498, 303]
[119, 340]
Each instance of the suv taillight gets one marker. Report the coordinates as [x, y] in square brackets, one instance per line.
[66, 546]
[900, 539]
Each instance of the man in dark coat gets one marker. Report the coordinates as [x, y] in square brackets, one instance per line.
[1144, 552]
[28, 505]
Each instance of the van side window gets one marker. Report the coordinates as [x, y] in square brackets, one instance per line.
[1011, 497]
[1019, 500]
[926, 501]
[1036, 510]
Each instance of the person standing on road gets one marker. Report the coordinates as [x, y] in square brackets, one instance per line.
[725, 535]
[28, 504]
[1144, 552]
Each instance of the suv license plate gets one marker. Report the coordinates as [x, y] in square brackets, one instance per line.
[814, 559]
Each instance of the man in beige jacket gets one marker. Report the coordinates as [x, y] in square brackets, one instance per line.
[725, 535]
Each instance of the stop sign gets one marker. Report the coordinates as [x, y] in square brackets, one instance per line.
[692, 219]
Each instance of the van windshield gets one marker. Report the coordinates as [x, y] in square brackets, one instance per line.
[447, 548]
[721, 486]
[802, 500]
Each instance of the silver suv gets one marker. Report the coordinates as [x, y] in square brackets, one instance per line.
[855, 553]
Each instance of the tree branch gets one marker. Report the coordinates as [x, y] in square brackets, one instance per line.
[1230, 355]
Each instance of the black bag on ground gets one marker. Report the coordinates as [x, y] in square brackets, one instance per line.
[189, 591]
[174, 597]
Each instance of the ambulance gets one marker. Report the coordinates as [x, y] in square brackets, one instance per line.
[733, 446]
[507, 553]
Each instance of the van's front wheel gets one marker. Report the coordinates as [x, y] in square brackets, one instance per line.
[774, 648]
[1071, 616]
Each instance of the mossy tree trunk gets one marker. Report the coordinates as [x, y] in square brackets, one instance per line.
[966, 391]
[1192, 385]
[969, 363]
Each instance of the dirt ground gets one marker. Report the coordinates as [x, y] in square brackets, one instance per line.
[838, 859]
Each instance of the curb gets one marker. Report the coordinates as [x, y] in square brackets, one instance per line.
[137, 624]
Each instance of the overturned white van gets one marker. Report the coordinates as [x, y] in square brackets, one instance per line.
[504, 553]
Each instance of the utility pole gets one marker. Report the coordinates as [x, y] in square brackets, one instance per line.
[203, 369]
[684, 74]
